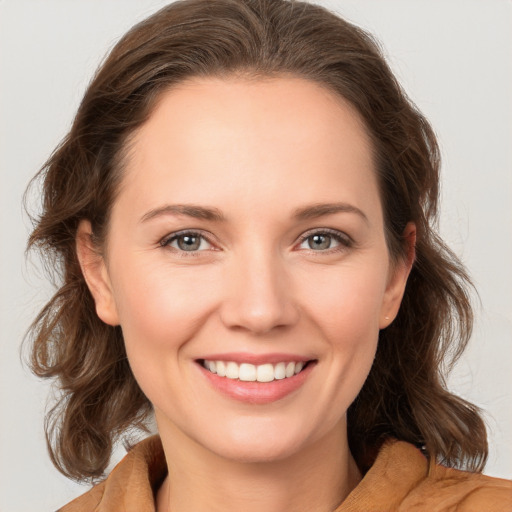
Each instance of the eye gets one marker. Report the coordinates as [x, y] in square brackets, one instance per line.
[325, 240]
[187, 241]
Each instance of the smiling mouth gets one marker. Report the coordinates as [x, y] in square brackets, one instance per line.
[247, 372]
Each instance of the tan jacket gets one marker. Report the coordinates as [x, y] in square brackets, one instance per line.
[401, 479]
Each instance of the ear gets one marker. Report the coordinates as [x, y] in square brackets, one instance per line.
[96, 274]
[398, 279]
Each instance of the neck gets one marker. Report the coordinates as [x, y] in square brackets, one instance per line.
[317, 479]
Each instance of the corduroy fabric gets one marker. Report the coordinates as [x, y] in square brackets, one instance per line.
[400, 480]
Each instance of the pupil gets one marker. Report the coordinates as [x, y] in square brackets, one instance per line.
[188, 243]
[320, 242]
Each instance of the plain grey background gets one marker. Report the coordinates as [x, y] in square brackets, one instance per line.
[454, 58]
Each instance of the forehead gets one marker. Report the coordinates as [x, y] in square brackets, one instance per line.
[294, 108]
[208, 135]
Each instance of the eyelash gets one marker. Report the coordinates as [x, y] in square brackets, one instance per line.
[343, 240]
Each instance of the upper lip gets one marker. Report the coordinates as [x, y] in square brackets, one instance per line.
[256, 359]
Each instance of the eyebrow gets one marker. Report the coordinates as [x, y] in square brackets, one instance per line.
[214, 214]
[320, 209]
[191, 210]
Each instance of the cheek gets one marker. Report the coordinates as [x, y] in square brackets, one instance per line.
[160, 311]
[346, 301]
[160, 308]
[345, 307]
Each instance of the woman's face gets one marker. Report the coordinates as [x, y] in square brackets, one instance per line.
[248, 237]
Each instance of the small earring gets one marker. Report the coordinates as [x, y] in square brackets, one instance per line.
[386, 318]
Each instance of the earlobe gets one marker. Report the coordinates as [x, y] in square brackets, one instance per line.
[396, 286]
[96, 275]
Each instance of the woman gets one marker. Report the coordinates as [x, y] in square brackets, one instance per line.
[242, 210]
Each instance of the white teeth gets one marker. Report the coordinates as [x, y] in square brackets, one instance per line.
[221, 368]
[250, 373]
[265, 373]
[232, 370]
[280, 371]
[247, 372]
[290, 370]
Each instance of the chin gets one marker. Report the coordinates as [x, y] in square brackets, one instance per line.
[256, 452]
[259, 445]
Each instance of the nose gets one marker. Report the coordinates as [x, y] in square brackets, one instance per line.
[259, 295]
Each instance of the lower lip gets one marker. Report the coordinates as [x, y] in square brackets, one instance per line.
[258, 392]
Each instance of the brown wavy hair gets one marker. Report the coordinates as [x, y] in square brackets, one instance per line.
[405, 394]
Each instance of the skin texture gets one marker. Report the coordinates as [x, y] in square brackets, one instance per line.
[256, 151]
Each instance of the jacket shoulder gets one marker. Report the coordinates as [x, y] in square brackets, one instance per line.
[403, 479]
[131, 485]
[446, 489]
[88, 501]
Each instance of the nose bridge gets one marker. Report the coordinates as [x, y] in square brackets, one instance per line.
[258, 296]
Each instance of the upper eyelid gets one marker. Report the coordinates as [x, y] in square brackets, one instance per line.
[329, 231]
